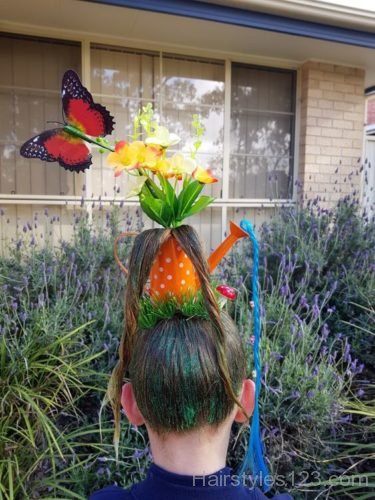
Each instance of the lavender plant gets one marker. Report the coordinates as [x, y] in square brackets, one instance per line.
[317, 279]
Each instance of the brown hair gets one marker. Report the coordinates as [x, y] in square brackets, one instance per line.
[209, 342]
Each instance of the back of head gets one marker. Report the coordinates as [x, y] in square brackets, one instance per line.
[186, 371]
[175, 373]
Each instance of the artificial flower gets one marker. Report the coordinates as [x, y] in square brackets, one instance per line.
[204, 176]
[181, 165]
[162, 137]
[135, 185]
[131, 155]
[163, 167]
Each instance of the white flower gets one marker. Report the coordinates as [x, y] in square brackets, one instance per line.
[162, 137]
[135, 185]
[181, 165]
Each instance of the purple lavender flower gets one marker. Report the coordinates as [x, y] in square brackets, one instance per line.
[23, 316]
[303, 302]
[284, 291]
[346, 419]
[325, 332]
[139, 453]
[315, 308]
[346, 351]
[360, 393]
[277, 355]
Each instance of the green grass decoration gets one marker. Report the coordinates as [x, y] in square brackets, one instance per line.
[150, 312]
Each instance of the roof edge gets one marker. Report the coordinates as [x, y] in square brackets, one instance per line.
[250, 19]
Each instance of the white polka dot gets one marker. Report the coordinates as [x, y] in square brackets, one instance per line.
[183, 282]
[188, 272]
[161, 269]
[157, 293]
[169, 277]
[180, 265]
[155, 276]
[185, 256]
[162, 285]
[168, 260]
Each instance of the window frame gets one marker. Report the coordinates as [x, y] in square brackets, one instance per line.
[224, 202]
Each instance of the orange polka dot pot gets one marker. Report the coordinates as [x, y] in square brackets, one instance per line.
[173, 273]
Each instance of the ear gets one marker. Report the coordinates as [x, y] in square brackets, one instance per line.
[130, 406]
[247, 400]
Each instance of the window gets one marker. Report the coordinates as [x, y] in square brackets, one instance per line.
[30, 80]
[262, 125]
[248, 113]
[178, 87]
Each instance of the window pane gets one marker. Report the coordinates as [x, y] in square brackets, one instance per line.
[196, 86]
[262, 133]
[125, 79]
[124, 74]
[30, 82]
[192, 81]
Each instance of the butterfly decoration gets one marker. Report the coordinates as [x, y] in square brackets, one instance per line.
[84, 120]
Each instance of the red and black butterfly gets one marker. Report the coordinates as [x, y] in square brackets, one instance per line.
[83, 117]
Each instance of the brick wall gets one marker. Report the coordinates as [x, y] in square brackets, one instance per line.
[332, 116]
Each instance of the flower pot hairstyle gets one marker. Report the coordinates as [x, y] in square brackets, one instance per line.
[185, 371]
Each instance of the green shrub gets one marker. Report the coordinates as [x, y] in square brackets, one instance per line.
[312, 311]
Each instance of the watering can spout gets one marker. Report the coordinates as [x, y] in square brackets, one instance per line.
[217, 255]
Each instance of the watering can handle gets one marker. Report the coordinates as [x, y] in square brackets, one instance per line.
[117, 239]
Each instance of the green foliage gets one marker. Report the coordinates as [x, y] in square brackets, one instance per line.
[317, 413]
[44, 373]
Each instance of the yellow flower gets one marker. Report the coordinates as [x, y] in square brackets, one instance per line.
[163, 167]
[177, 166]
[162, 137]
[204, 176]
[131, 155]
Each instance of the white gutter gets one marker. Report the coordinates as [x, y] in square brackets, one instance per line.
[356, 14]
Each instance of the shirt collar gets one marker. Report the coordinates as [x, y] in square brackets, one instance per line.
[217, 478]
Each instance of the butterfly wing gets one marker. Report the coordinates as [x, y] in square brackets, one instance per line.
[80, 109]
[57, 145]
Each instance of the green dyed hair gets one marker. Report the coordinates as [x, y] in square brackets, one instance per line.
[199, 362]
[175, 374]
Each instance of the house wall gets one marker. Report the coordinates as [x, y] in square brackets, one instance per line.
[331, 133]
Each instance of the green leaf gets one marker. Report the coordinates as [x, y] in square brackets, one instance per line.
[152, 207]
[199, 205]
[154, 190]
[187, 198]
[170, 195]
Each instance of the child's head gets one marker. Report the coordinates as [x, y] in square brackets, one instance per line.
[185, 372]
[175, 375]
